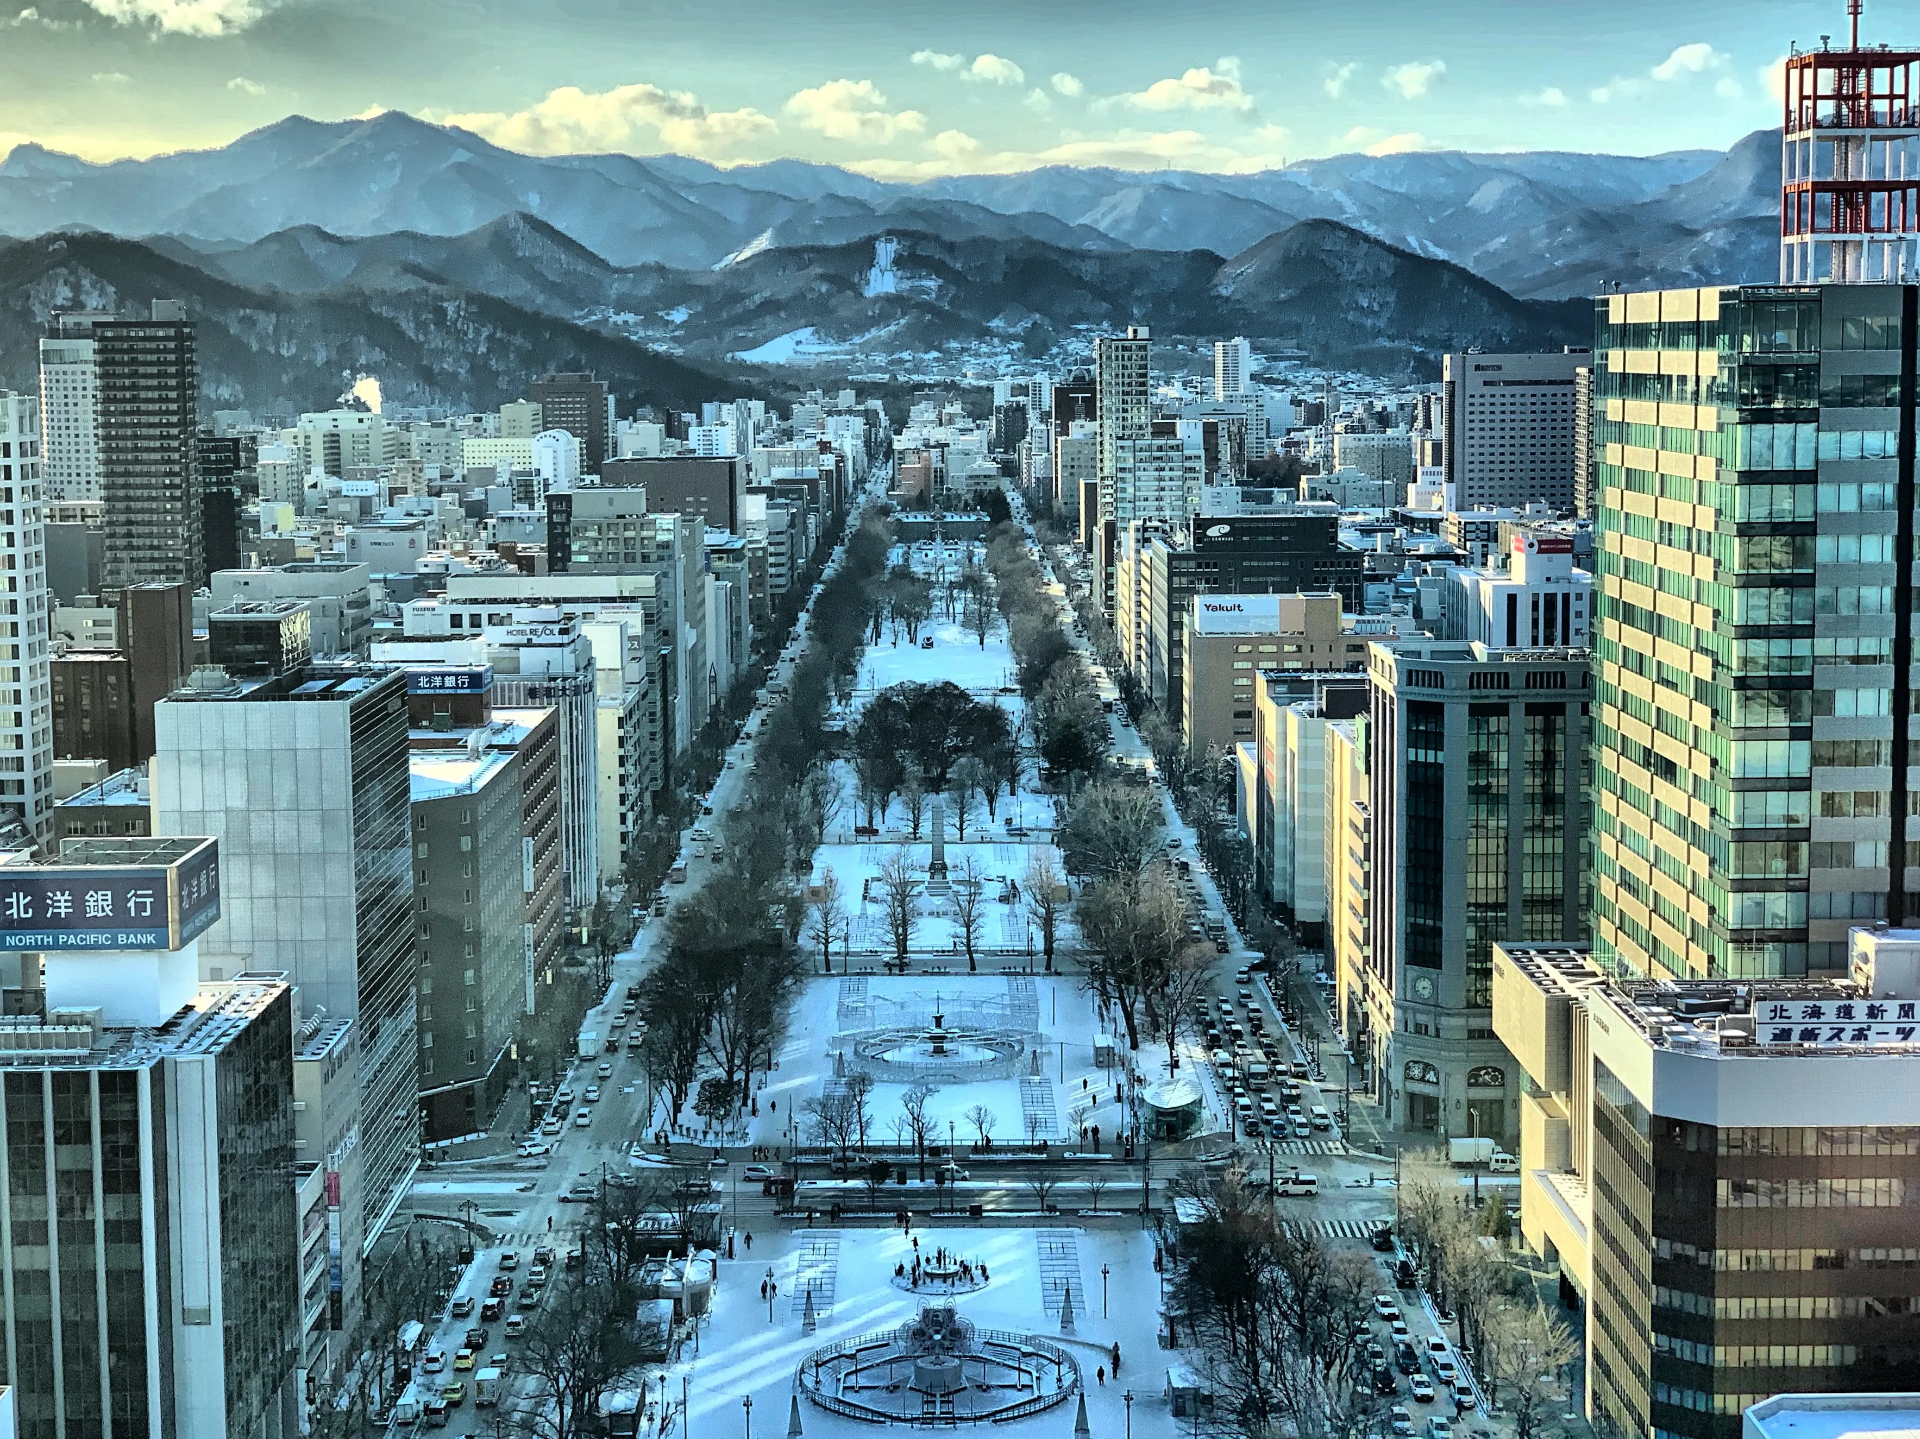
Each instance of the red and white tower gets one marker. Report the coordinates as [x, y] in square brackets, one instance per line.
[1849, 181]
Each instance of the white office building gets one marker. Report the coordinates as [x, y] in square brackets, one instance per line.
[1508, 426]
[1232, 367]
[26, 681]
[69, 441]
[1540, 601]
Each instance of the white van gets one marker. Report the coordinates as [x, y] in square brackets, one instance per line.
[1319, 1118]
[1503, 1163]
[1298, 1186]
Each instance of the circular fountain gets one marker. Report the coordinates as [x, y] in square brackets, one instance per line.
[939, 1368]
[913, 1054]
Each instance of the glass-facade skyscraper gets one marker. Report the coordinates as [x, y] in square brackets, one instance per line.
[1754, 539]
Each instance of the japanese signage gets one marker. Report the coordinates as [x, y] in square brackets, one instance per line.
[1852, 1021]
[467, 680]
[68, 907]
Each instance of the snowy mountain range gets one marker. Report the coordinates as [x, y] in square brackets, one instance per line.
[1543, 225]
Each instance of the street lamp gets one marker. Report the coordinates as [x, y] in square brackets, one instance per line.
[1127, 1399]
[747, 1404]
[1103, 1291]
[769, 1294]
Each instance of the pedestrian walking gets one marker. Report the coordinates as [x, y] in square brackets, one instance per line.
[749, 1242]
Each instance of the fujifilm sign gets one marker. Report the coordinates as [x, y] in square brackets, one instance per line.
[1236, 614]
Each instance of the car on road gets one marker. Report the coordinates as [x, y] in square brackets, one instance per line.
[1421, 1388]
[1398, 1329]
[533, 1148]
[1437, 1348]
[455, 1394]
[1301, 1130]
[1405, 1358]
[580, 1194]
[1439, 1428]
[1298, 1186]
[756, 1174]
[509, 1260]
[1399, 1420]
[606, 1070]
[583, 1119]
[493, 1309]
[592, 1095]
[477, 1338]
[462, 1307]
[1382, 1236]
[1463, 1394]
[1384, 1380]
[463, 1361]
[500, 1288]
[552, 1125]
[1445, 1372]
[1386, 1306]
[517, 1325]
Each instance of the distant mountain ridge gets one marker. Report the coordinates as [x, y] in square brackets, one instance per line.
[463, 319]
[1540, 225]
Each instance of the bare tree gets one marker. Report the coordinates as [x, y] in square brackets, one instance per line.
[899, 886]
[969, 908]
[1527, 1348]
[1113, 830]
[982, 1119]
[1096, 1186]
[872, 775]
[840, 1113]
[1045, 898]
[580, 1346]
[969, 780]
[1188, 978]
[1041, 1183]
[920, 1125]
[1130, 930]
[821, 797]
[829, 918]
[979, 620]
[913, 794]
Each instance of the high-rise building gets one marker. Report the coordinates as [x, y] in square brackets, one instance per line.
[1229, 639]
[1508, 428]
[1752, 706]
[69, 400]
[26, 681]
[580, 405]
[1232, 367]
[149, 1254]
[469, 905]
[1722, 1172]
[222, 459]
[1582, 441]
[1477, 771]
[303, 777]
[148, 378]
[1123, 380]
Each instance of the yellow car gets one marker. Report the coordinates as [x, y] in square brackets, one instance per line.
[455, 1394]
[463, 1360]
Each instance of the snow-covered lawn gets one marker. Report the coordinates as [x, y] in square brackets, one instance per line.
[744, 1355]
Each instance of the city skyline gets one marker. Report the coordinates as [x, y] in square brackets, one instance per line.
[900, 94]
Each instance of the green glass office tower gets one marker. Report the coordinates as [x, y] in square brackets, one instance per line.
[1753, 471]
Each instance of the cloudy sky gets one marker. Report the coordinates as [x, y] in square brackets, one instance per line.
[897, 88]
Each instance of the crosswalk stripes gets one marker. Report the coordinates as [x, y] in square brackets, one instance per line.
[1037, 1114]
[1337, 1228]
[852, 1009]
[1310, 1146]
[816, 1269]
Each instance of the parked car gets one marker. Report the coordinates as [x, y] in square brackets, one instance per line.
[1421, 1388]
[1399, 1420]
[462, 1307]
[1386, 1306]
[1463, 1394]
[1439, 1428]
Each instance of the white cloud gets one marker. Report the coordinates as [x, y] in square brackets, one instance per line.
[1068, 85]
[994, 70]
[1413, 79]
[955, 145]
[111, 77]
[1727, 87]
[204, 18]
[1553, 97]
[852, 110]
[1773, 79]
[246, 86]
[1373, 142]
[939, 60]
[1038, 100]
[570, 120]
[1689, 60]
[1198, 89]
[1335, 83]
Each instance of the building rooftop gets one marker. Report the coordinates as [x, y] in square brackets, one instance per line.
[437, 774]
[1875, 1011]
[128, 786]
[323, 680]
[75, 1038]
[1833, 1416]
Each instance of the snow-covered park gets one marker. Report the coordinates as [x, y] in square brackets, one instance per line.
[753, 1341]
